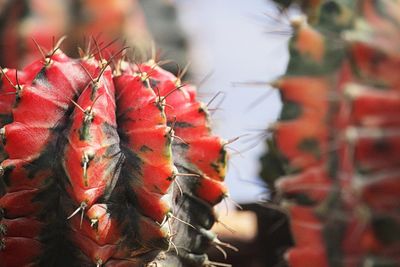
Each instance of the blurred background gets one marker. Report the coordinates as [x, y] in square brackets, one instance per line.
[234, 47]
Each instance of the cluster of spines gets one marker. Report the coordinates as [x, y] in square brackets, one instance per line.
[338, 135]
[90, 156]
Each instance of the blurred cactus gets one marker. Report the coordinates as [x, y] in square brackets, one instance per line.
[338, 137]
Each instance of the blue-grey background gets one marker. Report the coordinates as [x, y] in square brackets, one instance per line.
[238, 41]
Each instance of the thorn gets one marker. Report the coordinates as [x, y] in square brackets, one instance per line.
[181, 74]
[58, 44]
[175, 181]
[172, 91]
[216, 264]
[88, 47]
[77, 105]
[157, 90]
[138, 67]
[82, 208]
[222, 251]
[98, 50]
[170, 215]
[215, 96]
[40, 49]
[180, 139]
[17, 80]
[234, 202]
[187, 175]
[121, 60]
[205, 79]
[233, 140]
[87, 157]
[112, 42]
[56, 47]
[227, 245]
[163, 62]
[8, 78]
[93, 222]
[87, 72]
[168, 106]
[237, 151]
[172, 133]
[89, 111]
[170, 242]
[109, 61]
[227, 227]
[81, 53]
[3, 134]
[173, 244]
[259, 99]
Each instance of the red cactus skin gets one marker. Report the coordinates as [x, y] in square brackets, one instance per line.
[92, 164]
[308, 135]
[200, 158]
[98, 235]
[31, 102]
[91, 154]
[197, 153]
[147, 138]
[343, 183]
[51, 84]
[8, 91]
[203, 153]
[20, 251]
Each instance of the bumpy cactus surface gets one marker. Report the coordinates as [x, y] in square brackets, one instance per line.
[338, 137]
[105, 166]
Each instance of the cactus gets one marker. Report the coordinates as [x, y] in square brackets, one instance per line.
[337, 140]
[105, 166]
[105, 20]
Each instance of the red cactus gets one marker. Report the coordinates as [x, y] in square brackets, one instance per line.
[92, 162]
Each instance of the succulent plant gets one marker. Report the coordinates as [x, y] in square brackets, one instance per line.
[105, 163]
[337, 140]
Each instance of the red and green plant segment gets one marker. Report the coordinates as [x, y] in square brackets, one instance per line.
[337, 142]
[105, 163]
